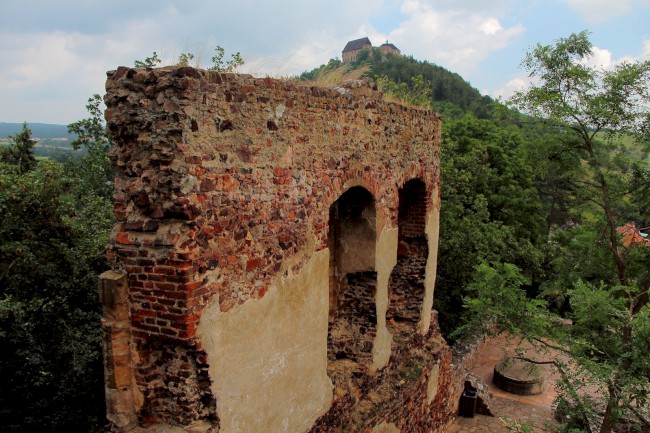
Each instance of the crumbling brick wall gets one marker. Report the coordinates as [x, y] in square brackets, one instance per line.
[224, 187]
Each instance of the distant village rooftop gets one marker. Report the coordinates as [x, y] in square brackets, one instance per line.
[353, 48]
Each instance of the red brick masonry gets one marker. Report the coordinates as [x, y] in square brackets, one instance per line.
[221, 179]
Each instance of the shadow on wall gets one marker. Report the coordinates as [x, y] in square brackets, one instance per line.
[406, 284]
[353, 281]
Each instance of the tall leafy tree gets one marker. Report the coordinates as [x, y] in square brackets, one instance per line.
[490, 210]
[20, 151]
[94, 169]
[55, 224]
[604, 278]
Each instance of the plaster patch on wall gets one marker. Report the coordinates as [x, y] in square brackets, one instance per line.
[279, 110]
[218, 181]
[385, 260]
[385, 428]
[432, 384]
[432, 231]
[268, 357]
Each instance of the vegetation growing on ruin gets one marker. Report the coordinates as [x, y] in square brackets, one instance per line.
[531, 210]
[534, 212]
[55, 223]
[220, 62]
[450, 94]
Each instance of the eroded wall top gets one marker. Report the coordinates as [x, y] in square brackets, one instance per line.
[223, 183]
[209, 162]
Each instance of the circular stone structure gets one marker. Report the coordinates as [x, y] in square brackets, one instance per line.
[518, 377]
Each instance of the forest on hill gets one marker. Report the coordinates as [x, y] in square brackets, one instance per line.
[52, 141]
[40, 130]
[449, 94]
[544, 219]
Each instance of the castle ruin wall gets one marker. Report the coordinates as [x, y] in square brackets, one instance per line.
[226, 187]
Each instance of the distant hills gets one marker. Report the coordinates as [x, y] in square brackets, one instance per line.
[52, 141]
[39, 130]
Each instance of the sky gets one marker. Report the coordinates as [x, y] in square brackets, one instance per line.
[54, 54]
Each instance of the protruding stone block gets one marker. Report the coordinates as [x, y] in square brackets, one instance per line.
[112, 288]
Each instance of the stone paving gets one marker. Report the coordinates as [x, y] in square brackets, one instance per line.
[534, 410]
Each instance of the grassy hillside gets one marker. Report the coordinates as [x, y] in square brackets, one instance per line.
[451, 95]
[39, 130]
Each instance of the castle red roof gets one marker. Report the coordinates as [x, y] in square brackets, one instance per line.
[632, 235]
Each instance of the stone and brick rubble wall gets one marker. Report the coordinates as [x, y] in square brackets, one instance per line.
[223, 183]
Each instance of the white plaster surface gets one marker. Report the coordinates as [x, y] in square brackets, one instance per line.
[432, 230]
[385, 260]
[432, 384]
[385, 428]
[268, 357]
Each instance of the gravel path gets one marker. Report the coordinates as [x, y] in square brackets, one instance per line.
[534, 410]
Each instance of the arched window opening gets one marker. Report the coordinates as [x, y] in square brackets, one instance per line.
[406, 284]
[353, 281]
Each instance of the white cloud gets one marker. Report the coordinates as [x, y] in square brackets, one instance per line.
[518, 83]
[314, 52]
[599, 11]
[68, 67]
[601, 59]
[60, 51]
[645, 54]
[456, 39]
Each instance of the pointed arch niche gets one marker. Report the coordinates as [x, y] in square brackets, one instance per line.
[353, 281]
[406, 285]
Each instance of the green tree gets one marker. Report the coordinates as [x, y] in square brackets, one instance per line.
[20, 151]
[604, 279]
[55, 225]
[490, 210]
[51, 248]
[450, 94]
[221, 65]
[184, 59]
[417, 92]
[94, 169]
[149, 62]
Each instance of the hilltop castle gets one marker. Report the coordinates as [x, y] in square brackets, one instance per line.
[353, 48]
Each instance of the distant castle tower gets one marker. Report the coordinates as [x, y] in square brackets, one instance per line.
[353, 48]
[390, 48]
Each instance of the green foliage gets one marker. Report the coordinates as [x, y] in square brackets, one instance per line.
[221, 65]
[149, 62]
[51, 248]
[90, 131]
[94, 169]
[515, 426]
[450, 95]
[496, 299]
[490, 210]
[596, 280]
[56, 222]
[20, 152]
[184, 59]
[585, 99]
[313, 75]
[417, 92]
